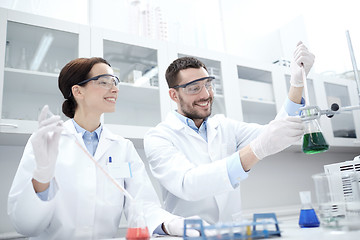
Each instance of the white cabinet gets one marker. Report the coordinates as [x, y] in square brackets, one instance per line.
[251, 89]
[257, 95]
[35, 50]
[137, 62]
[342, 129]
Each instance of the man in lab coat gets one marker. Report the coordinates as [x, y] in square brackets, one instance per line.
[200, 160]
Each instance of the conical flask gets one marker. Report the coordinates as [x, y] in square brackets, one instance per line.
[137, 228]
[314, 141]
[308, 216]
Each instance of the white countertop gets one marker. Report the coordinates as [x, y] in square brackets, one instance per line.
[291, 230]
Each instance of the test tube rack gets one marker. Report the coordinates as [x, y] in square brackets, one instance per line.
[234, 230]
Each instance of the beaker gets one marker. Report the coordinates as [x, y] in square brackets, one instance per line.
[137, 228]
[338, 197]
[314, 140]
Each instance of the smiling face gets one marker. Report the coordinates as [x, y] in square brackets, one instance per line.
[198, 106]
[92, 97]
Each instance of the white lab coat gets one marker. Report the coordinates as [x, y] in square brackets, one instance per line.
[193, 172]
[85, 203]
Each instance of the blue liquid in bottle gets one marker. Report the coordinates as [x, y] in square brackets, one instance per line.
[308, 218]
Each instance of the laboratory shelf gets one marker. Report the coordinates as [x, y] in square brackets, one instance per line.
[257, 101]
[128, 90]
[26, 92]
[32, 81]
[254, 74]
[136, 106]
[258, 111]
[14, 132]
[262, 91]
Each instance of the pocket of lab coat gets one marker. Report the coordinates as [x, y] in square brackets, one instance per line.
[119, 170]
[112, 195]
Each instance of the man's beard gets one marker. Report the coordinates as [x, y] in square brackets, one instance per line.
[193, 114]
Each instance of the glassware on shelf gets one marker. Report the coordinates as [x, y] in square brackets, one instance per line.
[44, 67]
[216, 73]
[57, 68]
[8, 55]
[314, 140]
[23, 64]
[154, 81]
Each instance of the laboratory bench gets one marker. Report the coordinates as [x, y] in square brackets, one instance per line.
[290, 230]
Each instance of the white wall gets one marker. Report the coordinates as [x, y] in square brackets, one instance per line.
[277, 180]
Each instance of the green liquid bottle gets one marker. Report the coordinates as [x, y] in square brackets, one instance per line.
[314, 143]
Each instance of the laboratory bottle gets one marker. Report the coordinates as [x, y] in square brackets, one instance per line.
[7, 55]
[308, 216]
[137, 228]
[314, 140]
[23, 61]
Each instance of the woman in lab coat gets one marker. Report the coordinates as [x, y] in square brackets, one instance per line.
[58, 192]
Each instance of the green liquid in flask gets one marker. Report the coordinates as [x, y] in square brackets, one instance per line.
[314, 143]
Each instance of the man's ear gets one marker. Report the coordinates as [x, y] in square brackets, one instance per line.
[173, 94]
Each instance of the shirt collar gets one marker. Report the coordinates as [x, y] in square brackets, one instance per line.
[82, 130]
[189, 122]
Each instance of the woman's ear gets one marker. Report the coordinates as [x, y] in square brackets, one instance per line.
[76, 91]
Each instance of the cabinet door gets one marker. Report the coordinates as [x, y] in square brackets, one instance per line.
[256, 93]
[343, 128]
[36, 50]
[136, 62]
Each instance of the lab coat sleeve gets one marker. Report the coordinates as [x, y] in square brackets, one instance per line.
[28, 213]
[178, 174]
[140, 187]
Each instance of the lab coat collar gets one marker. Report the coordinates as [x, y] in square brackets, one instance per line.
[212, 125]
[177, 124]
[105, 141]
[174, 121]
[106, 138]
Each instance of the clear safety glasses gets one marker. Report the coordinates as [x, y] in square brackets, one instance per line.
[106, 81]
[194, 87]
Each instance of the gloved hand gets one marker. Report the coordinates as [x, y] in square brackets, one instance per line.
[277, 135]
[302, 56]
[175, 227]
[45, 142]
